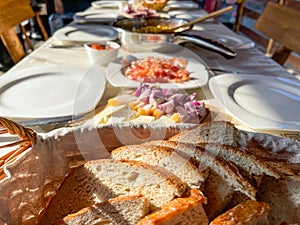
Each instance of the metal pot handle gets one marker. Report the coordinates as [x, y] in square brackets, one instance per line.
[206, 43]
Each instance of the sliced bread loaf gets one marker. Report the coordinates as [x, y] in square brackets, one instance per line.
[226, 169]
[226, 133]
[164, 157]
[262, 146]
[126, 210]
[101, 180]
[247, 213]
[187, 210]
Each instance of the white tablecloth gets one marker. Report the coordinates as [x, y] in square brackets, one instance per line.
[248, 60]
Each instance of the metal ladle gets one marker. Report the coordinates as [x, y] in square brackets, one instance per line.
[201, 19]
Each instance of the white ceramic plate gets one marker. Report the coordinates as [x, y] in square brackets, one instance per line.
[182, 4]
[95, 17]
[198, 76]
[41, 92]
[86, 33]
[190, 15]
[107, 4]
[260, 102]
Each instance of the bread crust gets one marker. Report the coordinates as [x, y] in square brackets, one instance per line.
[171, 212]
[247, 213]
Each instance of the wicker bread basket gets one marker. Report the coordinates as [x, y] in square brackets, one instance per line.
[27, 139]
[34, 176]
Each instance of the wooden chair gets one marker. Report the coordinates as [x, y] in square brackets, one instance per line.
[282, 24]
[12, 14]
[277, 24]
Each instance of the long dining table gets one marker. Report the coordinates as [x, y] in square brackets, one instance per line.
[249, 62]
[55, 93]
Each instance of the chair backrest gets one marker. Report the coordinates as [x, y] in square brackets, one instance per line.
[282, 24]
[12, 13]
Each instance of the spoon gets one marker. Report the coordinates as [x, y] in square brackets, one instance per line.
[201, 19]
[127, 59]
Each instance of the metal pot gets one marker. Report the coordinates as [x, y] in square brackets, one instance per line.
[130, 33]
[128, 30]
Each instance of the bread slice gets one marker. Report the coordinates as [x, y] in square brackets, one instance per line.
[246, 161]
[276, 162]
[164, 157]
[120, 210]
[283, 197]
[187, 210]
[247, 213]
[227, 170]
[101, 180]
[221, 132]
[218, 193]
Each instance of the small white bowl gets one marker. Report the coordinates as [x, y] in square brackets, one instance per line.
[102, 56]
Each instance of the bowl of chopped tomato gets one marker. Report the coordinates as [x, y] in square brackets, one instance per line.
[102, 52]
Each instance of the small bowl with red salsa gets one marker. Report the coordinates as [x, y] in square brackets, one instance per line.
[102, 53]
